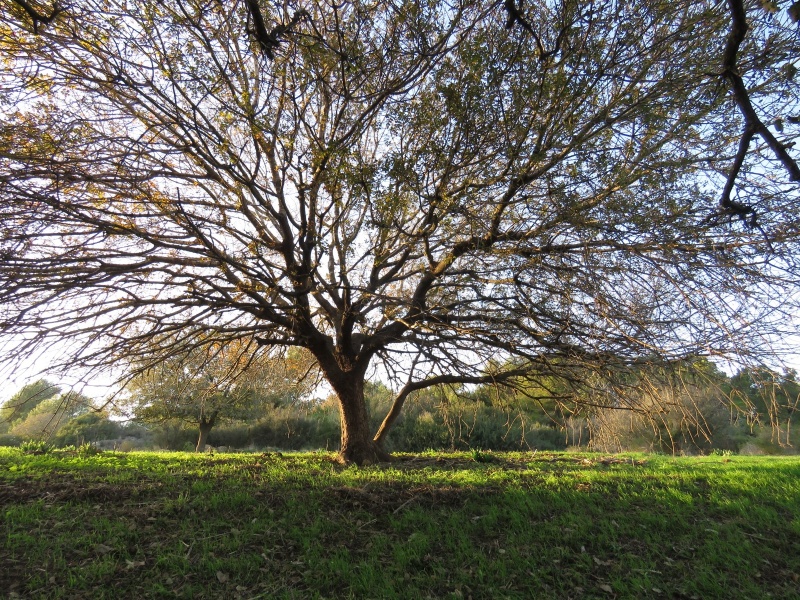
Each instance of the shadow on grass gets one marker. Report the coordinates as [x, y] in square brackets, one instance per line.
[299, 526]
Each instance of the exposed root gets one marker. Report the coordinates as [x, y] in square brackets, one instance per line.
[363, 454]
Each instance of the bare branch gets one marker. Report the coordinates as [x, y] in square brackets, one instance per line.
[36, 16]
[753, 124]
[269, 41]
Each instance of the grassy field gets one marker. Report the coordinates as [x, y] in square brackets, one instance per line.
[527, 525]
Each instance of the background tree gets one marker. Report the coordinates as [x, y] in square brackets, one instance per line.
[24, 401]
[49, 416]
[214, 384]
[401, 188]
[766, 397]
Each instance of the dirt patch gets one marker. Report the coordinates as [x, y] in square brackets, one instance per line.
[63, 488]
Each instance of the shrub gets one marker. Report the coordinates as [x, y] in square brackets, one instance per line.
[36, 447]
[541, 437]
[230, 436]
[284, 428]
[423, 431]
[767, 442]
[88, 427]
[6, 439]
[174, 437]
[129, 444]
[88, 449]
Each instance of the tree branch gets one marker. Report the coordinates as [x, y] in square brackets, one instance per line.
[36, 16]
[270, 40]
[753, 125]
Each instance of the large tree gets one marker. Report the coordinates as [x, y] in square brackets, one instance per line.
[422, 189]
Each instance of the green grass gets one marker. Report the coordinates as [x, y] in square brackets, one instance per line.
[146, 525]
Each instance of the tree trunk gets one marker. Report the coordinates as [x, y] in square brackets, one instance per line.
[357, 444]
[205, 426]
[345, 372]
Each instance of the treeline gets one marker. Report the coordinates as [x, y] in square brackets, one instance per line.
[689, 410]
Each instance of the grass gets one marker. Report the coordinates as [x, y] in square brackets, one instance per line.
[147, 525]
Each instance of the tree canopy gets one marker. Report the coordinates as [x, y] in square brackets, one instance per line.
[215, 384]
[434, 190]
[25, 400]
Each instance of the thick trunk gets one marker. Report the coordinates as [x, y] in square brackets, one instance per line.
[205, 426]
[346, 372]
[357, 444]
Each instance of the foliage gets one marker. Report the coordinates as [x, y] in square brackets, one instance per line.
[89, 427]
[25, 400]
[404, 188]
[36, 447]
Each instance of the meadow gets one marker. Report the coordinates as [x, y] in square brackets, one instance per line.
[431, 525]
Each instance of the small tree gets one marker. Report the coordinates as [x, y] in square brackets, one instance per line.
[213, 384]
[45, 419]
[25, 400]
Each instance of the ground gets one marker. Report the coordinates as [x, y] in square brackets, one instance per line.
[477, 525]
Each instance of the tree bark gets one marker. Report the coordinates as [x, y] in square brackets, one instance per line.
[357, 446]
[205, 425]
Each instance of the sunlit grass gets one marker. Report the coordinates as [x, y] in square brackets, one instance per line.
[521, 525]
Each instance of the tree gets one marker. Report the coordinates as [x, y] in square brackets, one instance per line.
[92, 426]
[46, 418]
[213, 384]
[26, 400]
[407, 189]
[767, 397]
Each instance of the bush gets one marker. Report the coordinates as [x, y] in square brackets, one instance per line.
[230, 436]
[6, 439]
[130, 444]
[136, 431]
[681, 424]
[765, 441]
[36, 447]
[423, 431]
[88, 427]
[541, 437]
[327, 429]
[284, 428]
[174, 437]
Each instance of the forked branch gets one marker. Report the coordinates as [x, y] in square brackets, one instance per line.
[36, 16]
[753, 125]
[270, 40]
